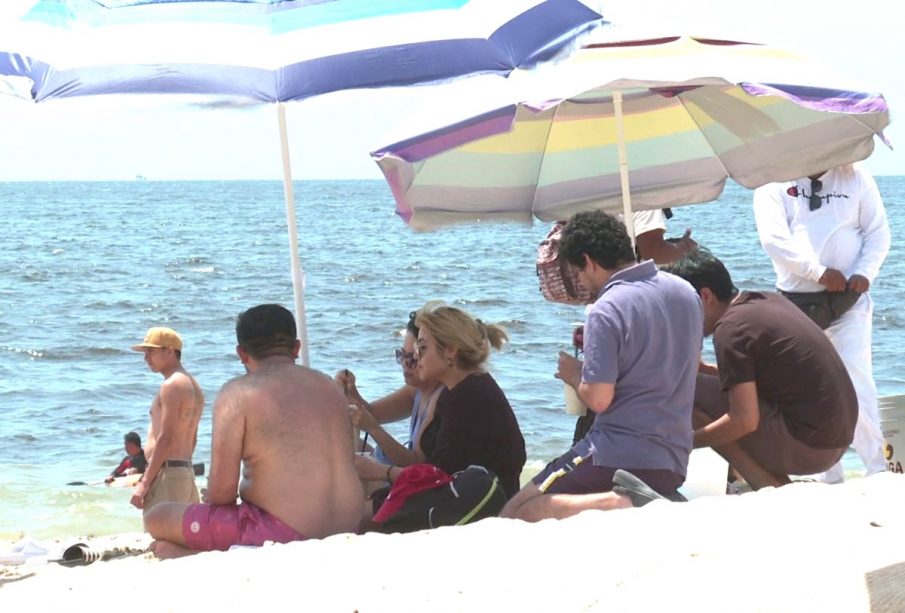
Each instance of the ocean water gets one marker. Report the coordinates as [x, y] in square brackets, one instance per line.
[85, 268]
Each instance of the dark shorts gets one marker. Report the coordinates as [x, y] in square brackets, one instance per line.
[574, 473]
[209, 527]
[771, 445]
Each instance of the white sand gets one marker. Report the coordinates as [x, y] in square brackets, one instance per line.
[804, 547]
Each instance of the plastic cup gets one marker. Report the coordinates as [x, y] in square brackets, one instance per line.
[356, 433]
[574, 405]
[707, 474]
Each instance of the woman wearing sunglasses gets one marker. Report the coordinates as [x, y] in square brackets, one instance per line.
[416, 400]
[473, 423]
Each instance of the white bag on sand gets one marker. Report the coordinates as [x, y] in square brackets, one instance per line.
[24, 550]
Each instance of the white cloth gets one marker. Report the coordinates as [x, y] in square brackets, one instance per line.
[850, 233]
[646, 221]
[851, 336]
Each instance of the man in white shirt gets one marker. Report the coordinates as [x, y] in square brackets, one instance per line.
[829, 233]
[650, 241]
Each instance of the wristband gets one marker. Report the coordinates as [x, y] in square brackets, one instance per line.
[389, 468]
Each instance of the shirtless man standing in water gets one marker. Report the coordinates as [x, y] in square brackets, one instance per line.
[175, 413]
[288, 427]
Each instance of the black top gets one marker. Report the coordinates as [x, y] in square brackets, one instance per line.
[474, 424]
[138, 462]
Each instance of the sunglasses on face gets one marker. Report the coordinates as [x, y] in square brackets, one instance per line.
[404, 358]
[815, 201]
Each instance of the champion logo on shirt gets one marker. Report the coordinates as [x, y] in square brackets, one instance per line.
[795, 193]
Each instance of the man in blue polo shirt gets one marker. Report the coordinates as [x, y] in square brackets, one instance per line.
[642, 344]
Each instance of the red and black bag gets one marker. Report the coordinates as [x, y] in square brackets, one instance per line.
[423, 496]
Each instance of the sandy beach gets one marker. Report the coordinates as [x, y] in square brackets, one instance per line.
[806, 546]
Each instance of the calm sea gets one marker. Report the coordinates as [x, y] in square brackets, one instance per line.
[85, 268]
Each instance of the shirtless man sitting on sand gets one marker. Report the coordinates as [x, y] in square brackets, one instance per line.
[175, 414]
[290, 427]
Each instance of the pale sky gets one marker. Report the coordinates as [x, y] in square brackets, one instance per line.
[161, 137]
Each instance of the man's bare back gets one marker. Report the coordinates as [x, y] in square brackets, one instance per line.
[290, 427]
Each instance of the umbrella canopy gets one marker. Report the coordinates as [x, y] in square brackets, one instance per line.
[692, 113]
[275, 51]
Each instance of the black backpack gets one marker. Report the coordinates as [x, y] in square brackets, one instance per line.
[473, 494]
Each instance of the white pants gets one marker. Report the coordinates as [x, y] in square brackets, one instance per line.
[851, 336]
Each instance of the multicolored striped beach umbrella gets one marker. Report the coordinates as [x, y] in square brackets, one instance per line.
[635, 125]
[276, 51]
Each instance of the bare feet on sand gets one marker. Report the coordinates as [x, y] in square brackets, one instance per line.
[166, 550]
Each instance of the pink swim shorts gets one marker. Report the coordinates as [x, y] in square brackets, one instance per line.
[208, 527]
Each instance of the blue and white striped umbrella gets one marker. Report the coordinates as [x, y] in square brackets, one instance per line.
[276, 51]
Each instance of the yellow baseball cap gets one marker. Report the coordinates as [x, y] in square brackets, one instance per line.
[160, 337]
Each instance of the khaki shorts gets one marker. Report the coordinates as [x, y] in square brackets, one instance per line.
[771, 445]
[172, 484]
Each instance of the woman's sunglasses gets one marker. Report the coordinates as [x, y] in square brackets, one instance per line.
[404, 358]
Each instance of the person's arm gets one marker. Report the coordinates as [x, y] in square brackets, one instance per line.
[776, 237]
[595, 378]
[392, 407]
[227, 436]
[708, 369]
[596, 396]
[875, 228]
[741, 419]
[369, 469]
[654, 246]
[171, 397]
[397, 453]
[119, 471]
[121, 468]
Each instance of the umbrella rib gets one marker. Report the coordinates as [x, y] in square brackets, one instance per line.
[883, 139]
[543, 155]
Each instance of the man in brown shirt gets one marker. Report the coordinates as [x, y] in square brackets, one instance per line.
[779, 394]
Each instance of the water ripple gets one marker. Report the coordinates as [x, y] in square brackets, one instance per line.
[77, 290]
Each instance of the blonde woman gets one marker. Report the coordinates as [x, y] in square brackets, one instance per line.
[473, 422]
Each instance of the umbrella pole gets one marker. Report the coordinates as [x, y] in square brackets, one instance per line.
[298, 275]
[623, 168]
